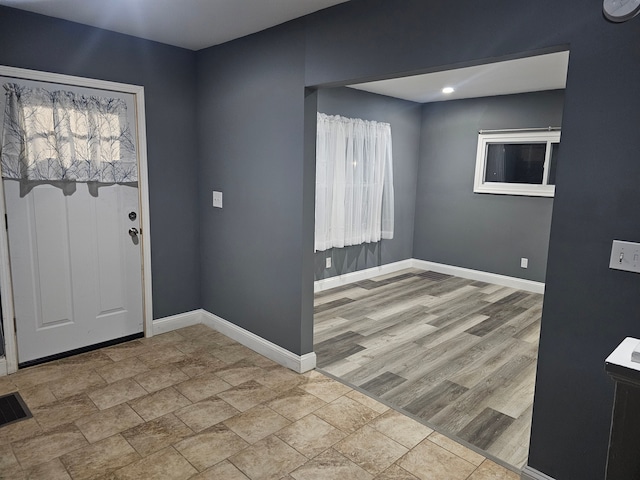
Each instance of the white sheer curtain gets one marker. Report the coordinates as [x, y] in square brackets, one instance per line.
[63, 136]
[354, 182]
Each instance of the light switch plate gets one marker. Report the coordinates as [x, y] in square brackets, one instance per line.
[217, 199]
[625, 256]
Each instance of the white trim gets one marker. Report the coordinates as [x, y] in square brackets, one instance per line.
[181, 320]
[345, 279]
[3, 367]
[547, 137]
[495, 278]
[298, 363]
[6, 292]
[145, 209]
[513, 282]
[529, 473]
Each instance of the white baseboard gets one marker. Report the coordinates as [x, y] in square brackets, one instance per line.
[513, 282]
[529, 473]
[340, 280]
[497, 279]
[298, 363]
[3, 367]
[181, 320]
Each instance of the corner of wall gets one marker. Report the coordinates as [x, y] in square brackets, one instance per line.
[297, 363]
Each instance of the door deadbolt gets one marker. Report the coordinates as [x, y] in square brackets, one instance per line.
[132, 216]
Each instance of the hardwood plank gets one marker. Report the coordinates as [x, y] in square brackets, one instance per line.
[432, 402]
[429, 358]
[394, 292]
[530, 333]
[495, 294]
[454, 328]
[338, 302]
[449, 365]
[400, 316]
[486, 366]
[337, 348]
[484, 429]
[455, 416]
[373, 367]
[434, 275]
[341, 367]
[533, 300]
[497, 318]
[513, 298]
[453, 313]
[520, 396]
[333, 291]
[447, 286]
[383, 383]
[381, 282]
[512, 445]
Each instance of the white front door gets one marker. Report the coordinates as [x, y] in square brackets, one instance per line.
[74, 255]
[75, 267]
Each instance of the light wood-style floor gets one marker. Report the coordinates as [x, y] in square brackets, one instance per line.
[459, 355]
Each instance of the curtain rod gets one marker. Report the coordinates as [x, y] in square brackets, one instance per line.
[513, 130]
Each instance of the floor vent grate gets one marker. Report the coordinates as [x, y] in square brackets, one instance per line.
[12, 409]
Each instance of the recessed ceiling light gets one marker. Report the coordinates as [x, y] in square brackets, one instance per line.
[447, 90]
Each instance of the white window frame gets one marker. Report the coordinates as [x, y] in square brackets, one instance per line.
[537, 190]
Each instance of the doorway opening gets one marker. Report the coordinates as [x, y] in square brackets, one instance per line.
[442, 322]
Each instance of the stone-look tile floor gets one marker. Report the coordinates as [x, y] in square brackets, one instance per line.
[194, 404]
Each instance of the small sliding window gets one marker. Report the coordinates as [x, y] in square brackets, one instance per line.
[517, 163]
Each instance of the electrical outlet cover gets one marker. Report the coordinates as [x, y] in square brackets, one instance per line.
[217, 199]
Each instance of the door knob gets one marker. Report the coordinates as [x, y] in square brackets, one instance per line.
[133, 232]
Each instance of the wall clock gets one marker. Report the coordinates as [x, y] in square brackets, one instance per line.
[620, 10]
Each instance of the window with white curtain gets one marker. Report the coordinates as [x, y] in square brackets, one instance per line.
[354, 182]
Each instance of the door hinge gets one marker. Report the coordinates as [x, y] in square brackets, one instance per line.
[6, 221]
[15, 326]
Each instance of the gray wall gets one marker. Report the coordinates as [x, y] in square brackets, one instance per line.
[404, 118]
[251, 141]
[168, 76]
[483, 232]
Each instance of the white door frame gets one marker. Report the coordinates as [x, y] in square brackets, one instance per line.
[6, 290]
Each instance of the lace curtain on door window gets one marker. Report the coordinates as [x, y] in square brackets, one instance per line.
[64, 136]
[354, 182]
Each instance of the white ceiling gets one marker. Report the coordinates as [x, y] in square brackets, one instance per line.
[192, 24]
[531, 74]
